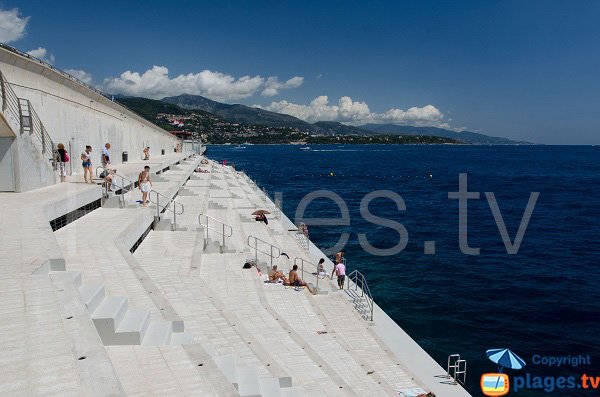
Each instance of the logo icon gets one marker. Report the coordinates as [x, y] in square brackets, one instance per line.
[495, 384]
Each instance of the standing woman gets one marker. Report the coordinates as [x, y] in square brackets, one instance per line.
[86, 162]
[62, 159]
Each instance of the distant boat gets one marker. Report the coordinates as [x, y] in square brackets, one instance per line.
[240, 147]
[305, 148]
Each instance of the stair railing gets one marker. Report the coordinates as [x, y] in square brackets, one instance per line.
[302, 262]
[10, 101]
[177, 209]
[28, 120]
[224, 229]
[360, 282]
[273, 253]
[127, 185]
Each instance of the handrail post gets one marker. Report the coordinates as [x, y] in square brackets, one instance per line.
[157, 206]
[206, 240]
[223, 237]
[174, 216]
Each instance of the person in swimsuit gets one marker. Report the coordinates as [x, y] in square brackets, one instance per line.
[340, 270]
[86, 162]
[275, 275]
[145, 185]
[339, 258]
[295, 280]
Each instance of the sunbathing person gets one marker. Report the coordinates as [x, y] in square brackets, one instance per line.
[275, 275]
[295, 280]
[262, 218]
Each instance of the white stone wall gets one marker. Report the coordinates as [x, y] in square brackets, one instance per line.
[77, 115]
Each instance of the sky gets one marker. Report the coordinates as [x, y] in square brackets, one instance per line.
[525, 70]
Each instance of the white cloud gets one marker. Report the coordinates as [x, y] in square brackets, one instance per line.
[81, 75]
[351, 112]
[12, 26]
[43, 54]
[272, 85]
[156, 83]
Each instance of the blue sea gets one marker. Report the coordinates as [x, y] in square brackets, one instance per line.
[544, 300]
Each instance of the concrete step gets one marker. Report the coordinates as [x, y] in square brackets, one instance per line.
[289, 392]
[215, 247]
[133, 326]
[164, 225]
[227, 365]
[247, 380]
[76, 275]
[91, 295]
[107, 317]
[269, 387]
[158, 333]
[181, 338]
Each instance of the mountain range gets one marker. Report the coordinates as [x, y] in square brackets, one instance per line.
[255, 116]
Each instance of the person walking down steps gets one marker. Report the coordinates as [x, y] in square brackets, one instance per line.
[145, 185]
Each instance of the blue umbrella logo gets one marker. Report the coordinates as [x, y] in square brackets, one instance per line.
[505, 359]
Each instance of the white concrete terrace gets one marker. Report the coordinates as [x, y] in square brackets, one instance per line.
[245, 337]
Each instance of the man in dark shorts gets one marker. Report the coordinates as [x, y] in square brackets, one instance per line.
[295, 280]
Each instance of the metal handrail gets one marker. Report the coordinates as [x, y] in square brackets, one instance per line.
[28, 120]
[10, 101]
[356, 277]
[303, 261]
[126, 188]
[166, 207]
[222, 232]
[256, 250]
[303, 239]
[454, 369]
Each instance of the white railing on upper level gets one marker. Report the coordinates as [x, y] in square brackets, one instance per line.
[28, 121]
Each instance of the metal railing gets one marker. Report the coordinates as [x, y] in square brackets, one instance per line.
[165, 207]
[31, 123]
[225, 230]
[316, 274]
[273, 250]
[120, 190]
[28, 121]
[10, 101]
[457, 367]
[128, 185]
[359, 281]
[303, 240]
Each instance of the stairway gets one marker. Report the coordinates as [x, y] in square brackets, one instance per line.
[360, 304]
[246, 379]
[117, 324]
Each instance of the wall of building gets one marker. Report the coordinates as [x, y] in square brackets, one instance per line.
[77, 116]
